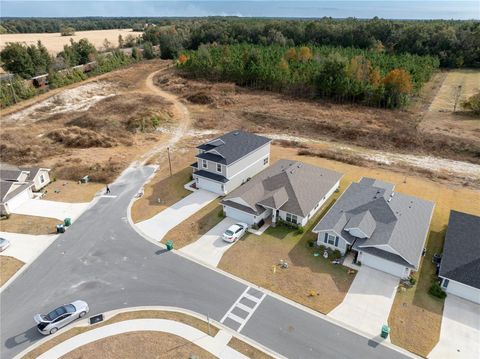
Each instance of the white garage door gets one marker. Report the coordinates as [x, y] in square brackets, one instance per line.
[464, 291]
[18, 200]
[384, 265]
[239, 216]
[211, 186]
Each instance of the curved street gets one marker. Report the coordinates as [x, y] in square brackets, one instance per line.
[103, 260]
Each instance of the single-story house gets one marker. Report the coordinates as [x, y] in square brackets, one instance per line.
[226, 162]
[291, 191]
[460, 265]
[386, 230]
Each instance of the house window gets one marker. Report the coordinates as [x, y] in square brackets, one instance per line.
[445, 283]
[219, 167]
[204, 164]
[42, 179]
[265, 161]
[331, 240]
[223, 187]
[291, 218]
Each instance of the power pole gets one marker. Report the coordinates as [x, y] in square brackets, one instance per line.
[169, 161]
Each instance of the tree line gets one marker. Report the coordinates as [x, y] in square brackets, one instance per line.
[369, 77]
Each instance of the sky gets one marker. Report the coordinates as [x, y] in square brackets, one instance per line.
[391, 9]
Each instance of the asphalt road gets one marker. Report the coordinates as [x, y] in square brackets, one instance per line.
[102, 260]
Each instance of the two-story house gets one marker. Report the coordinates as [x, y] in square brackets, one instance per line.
[226, 162]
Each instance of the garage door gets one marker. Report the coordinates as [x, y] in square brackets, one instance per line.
[239, 216]
[383, 265]
[18, 200]
[211, 186]
[464, 291]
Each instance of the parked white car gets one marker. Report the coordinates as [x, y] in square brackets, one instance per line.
[235, 232]
[58, 318]
[4, 244]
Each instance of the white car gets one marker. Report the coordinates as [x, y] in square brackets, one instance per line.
[4, 243]
[235, 232]
[58, 318]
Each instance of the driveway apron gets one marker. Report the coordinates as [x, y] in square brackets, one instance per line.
[52, 209]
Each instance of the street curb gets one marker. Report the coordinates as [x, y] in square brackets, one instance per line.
[110, 314]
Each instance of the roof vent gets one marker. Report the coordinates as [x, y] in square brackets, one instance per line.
[392, 194]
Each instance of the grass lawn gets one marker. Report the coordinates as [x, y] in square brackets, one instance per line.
[19, 223]
[8, 267]
[71, 191]
[160, 193]
[195, 226]
[255, 258]
[148, 345]
[415, 317]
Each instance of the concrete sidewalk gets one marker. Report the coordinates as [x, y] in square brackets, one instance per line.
[159, 225]
[26, 247]
[215, 345]
[210, 247]
[52, 209]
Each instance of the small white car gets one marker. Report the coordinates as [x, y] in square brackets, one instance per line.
[4, 244]
[58, 318]
[235, 232]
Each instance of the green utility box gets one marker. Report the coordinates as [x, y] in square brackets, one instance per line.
[385, 331]
[169, 245]
[67, 222]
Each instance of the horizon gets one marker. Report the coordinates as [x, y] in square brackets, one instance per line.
[283, 9]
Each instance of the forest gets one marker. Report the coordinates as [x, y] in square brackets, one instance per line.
[455, 43]
[369, 77]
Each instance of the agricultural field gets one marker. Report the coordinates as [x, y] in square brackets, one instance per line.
[54, 42]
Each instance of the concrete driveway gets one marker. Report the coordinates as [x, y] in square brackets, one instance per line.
[159, 225]
[367, 304]
[210, 247]
[52, 209]
[26, 247]
[460, 333]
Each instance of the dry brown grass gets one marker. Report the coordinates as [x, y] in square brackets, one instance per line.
[19, 223]
[8, 267]
[195, 226]
[415, 317]
[247, 350]
[54, 42]
[77, 137]
[149, 344]
[71, 191]
[147, 314]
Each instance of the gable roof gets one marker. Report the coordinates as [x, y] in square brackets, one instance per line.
[7, 192]
[231, 146]
[461, 251]
[394, 219]
[290, 186]
[10, 174]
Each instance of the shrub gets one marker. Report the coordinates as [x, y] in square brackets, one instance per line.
[437, 291]
[221, 214]
[335, 254]
[322, 248]
[412, 280]
[300, 230]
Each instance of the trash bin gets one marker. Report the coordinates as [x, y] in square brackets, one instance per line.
[67, 222]
[169, 245]
[385, 331]
[60, 228]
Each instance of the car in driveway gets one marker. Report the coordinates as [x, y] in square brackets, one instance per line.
[58, 318]
[235, 232]
[4, 244]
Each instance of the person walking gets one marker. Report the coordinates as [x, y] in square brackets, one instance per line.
[108, 190]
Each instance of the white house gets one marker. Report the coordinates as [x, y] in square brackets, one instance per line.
[226, 162]
[460, 265]
[385, 230]
[288, 190]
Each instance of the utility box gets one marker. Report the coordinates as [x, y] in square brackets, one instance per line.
[385, 331]
[67, 222]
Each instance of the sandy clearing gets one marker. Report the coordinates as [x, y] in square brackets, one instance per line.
[54, 42]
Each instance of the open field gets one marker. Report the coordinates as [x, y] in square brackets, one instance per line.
[71, 191]
[54, 42]
[8, 267]
[19, 223]
[149, 344]
[439, 117]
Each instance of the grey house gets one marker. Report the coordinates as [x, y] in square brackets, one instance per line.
[460, 266]
[226, 162]
[290, 190]
[385, 230]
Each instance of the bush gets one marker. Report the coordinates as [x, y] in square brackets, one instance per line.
[437, 291]
[300, 230]
[221, 214]
[15, 90]
[322, 248]
[412, 280]
[335, 254]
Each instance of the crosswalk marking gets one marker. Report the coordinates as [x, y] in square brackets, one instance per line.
[108, 196]
[247, 309]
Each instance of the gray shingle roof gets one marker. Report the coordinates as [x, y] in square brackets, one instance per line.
[10, 175]
[290, 186]
[401, 221]
[231, 146]
[5, 187]
[363, 221]
[461, 251]
[212, 176]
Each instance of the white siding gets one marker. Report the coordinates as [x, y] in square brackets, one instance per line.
[383, 265]
[464, 291]
[211, 167]
[342, 244]
[37, 183]
[19, 199]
